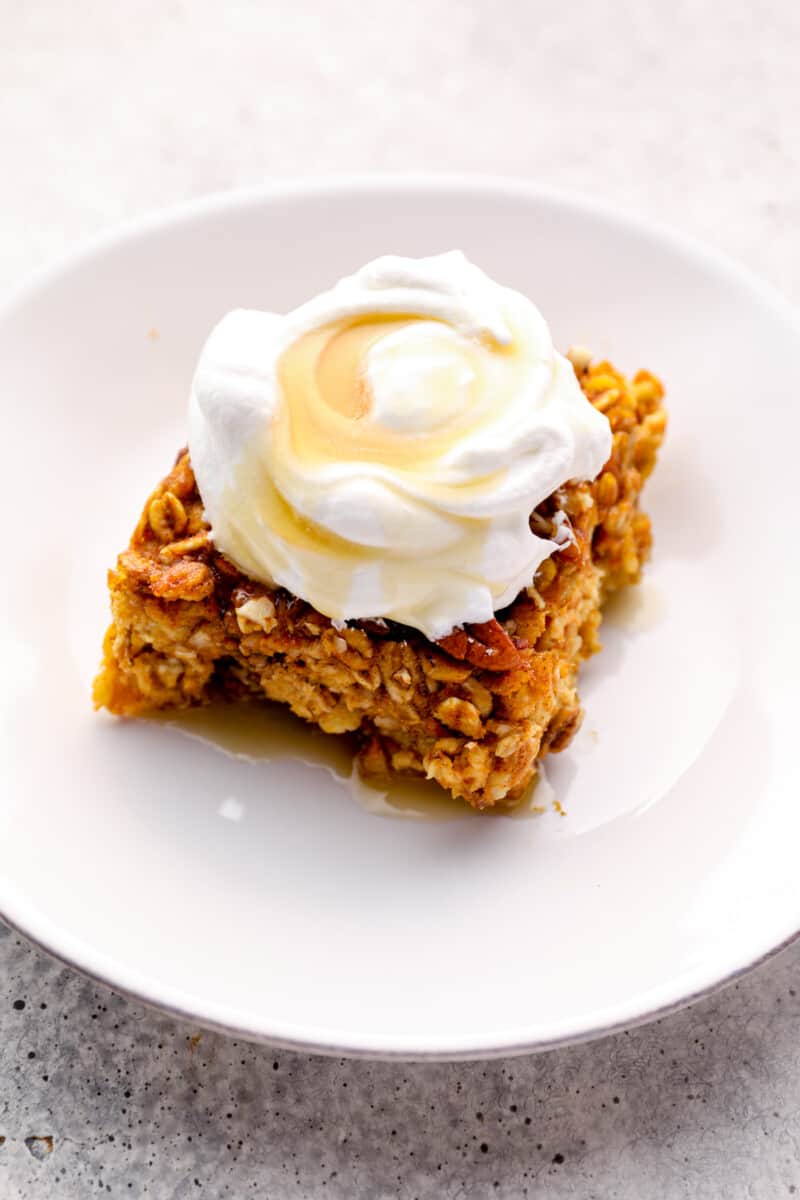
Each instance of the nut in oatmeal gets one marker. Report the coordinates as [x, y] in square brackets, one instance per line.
[257, 613]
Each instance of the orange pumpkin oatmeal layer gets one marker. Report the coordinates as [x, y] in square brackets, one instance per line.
[475, 711]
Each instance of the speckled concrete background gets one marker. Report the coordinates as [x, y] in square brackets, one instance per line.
[99, 1094]
[686, 111]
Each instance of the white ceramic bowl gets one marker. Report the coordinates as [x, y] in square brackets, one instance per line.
[256, 896]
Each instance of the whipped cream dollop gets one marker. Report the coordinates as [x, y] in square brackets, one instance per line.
[378, 451]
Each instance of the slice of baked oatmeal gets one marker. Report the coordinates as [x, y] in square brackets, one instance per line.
[474, 711]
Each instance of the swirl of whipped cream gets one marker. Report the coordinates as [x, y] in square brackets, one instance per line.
[378, 451]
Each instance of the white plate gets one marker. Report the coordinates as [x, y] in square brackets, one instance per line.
[258, 896]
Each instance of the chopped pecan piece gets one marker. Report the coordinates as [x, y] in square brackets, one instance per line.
[486, 645]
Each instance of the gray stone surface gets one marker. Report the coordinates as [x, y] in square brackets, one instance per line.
[686, 111]
[98, 1093]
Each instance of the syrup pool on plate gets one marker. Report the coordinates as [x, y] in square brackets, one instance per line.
[261, 732]
[635, 609]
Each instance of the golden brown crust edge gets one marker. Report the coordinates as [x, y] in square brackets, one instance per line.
[474, 711]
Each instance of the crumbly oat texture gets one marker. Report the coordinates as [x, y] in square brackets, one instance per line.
[474, 711]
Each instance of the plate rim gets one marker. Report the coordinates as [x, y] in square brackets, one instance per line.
[381, 182]
[683, 989]
[374, 1049]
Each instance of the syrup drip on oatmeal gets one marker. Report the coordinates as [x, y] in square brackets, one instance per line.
[260, 732]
